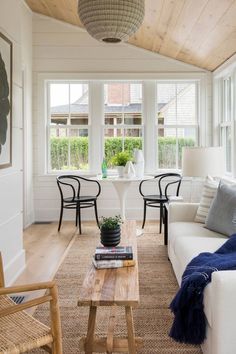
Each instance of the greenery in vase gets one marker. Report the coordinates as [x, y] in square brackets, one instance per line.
[121, 158]
[110, 223]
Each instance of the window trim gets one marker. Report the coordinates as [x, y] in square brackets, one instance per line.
[65, 126]
[227, 121]
[176, 126]
[96, 80]
[122, 126]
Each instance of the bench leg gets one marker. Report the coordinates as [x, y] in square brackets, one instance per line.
[130, 330]
[91, 330]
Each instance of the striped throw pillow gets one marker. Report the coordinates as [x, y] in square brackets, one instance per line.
[208, 194]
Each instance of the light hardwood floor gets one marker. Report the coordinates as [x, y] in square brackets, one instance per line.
[46, 248]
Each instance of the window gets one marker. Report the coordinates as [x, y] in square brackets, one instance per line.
[86, 119]
[122, 118]
[226, 123]
[68, 126]
[177, 121]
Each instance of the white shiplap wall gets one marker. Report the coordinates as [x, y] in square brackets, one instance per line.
[62, 48]
[15, 19]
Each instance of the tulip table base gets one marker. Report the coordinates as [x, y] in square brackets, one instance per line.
[121, 186]
[122, 189]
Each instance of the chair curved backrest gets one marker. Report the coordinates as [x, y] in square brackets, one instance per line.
[69, 180]
[161, 180]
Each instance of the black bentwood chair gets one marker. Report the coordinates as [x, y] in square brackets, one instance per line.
[71, 183]
[158, 200]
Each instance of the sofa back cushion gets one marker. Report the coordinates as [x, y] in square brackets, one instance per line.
[222, 213]
[208, 194]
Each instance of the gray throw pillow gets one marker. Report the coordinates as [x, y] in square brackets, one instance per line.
[222, 213]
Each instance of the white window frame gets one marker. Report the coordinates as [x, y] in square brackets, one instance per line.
[178, 126]
[67, 126]
[122, 126]
[96, 114]
[227, 120]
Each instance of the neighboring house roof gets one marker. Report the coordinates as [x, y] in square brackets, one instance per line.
[83, 108]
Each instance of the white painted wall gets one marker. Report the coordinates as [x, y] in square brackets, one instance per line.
[67, 50]
[13, 19]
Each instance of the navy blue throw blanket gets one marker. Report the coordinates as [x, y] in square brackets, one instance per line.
[189, 324]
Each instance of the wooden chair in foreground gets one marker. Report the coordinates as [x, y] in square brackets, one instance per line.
[20, 332]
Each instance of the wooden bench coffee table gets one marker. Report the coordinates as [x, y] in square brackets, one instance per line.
[112, 287]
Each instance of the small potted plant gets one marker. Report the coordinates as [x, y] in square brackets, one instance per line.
[120, 160]
[110, 231]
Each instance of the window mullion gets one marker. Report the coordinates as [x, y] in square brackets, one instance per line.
[149, 109]
[96, 113]
[176, 131]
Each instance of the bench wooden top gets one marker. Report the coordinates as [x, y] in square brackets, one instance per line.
[108, 287]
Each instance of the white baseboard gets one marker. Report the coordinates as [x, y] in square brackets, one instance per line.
[29, 219]
[14, 268]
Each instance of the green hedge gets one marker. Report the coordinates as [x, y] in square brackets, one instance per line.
[79, 150]
[114, 145]
[60, 153]
[167, 151]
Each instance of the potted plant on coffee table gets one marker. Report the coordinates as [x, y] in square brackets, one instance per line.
[110, 231]
[120, 160]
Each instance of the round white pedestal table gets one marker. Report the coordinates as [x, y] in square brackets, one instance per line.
[121, 185]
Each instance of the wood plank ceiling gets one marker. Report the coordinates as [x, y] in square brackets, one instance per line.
[198, 32]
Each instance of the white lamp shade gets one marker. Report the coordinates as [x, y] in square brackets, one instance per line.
[202, 161]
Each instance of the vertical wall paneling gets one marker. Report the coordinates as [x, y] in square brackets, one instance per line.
[62, 51]
[14, 22]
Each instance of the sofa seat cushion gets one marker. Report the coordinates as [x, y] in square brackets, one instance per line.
[190, 229]
[186, 248]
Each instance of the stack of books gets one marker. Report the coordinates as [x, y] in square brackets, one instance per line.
[113, 257]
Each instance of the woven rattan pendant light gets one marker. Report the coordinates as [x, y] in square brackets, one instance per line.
[111, 21]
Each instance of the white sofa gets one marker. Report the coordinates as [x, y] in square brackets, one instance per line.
[186, 239]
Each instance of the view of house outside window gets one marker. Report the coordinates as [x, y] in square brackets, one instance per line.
[177, 121]
[68, 126]
[122, 126]
[122, 118]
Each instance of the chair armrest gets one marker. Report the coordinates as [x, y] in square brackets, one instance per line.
[13, 308]
[26, 287]
[141, 184]
[52, 297]
[182, 212]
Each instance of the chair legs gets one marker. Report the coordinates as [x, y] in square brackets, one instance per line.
[96, 213]
[78, 216]
[61, 215]
[161, 217]
[144, 214]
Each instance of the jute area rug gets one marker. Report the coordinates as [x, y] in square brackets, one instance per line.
[152, 319]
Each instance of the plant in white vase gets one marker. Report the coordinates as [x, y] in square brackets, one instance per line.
[120, 160]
